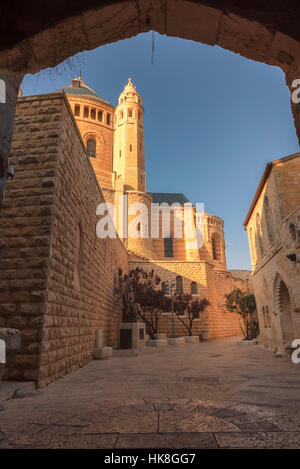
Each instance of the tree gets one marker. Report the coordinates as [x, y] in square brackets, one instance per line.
[153, 303]
[141, 288]
[243, 303]
[187, 309]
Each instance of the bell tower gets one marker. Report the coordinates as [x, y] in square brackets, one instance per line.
[129, 153]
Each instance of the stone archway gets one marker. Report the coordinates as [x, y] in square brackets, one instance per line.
[268, 34]
[284, 309]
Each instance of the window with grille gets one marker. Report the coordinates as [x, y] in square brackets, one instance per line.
[91, 148]
[168, 245]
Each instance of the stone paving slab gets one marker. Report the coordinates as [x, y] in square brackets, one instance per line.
[8, 388]
[208, 395]
[168, 440]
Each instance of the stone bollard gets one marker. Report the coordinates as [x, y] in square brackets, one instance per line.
[100, 352]
[10, 339]
[99, 339]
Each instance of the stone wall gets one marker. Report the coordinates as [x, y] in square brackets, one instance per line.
[212, 284]
[288, 180]
[269, 250]
[56, 275]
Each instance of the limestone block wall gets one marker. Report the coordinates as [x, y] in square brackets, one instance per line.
[288, 180]
[56, 274]
[222, 322]
[141, 245]
[25, 231]
[213, 285]
[265, 278]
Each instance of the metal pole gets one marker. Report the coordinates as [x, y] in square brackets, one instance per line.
[173, 322]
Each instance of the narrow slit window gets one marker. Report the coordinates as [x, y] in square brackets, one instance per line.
[168, 247]
[86, 112]
[214, 249]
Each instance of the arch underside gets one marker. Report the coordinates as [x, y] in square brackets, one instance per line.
[267, 34]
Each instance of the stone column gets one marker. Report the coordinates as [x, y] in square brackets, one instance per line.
[9, 88]
[292, 77]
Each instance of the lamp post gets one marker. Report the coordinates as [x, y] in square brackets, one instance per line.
[172, 305]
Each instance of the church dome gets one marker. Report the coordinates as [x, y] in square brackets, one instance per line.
[81, 89]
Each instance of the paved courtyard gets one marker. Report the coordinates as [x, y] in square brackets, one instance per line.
[212, 395]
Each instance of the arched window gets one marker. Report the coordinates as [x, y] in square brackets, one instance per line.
[259, 235]
[269, 220]
[165, 288]
[179, 284]
[194, 288]
[91, 148]
[168, 247]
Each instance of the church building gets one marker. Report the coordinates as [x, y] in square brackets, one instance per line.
[73, 151]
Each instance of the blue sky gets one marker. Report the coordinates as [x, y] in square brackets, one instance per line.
[213, 119]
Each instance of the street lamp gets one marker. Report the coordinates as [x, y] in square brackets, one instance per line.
[170, 287]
